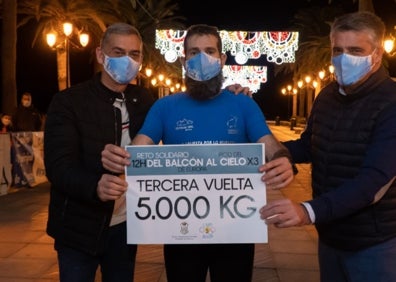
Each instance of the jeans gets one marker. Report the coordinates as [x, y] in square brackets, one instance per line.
[117, 263]
[376, 263]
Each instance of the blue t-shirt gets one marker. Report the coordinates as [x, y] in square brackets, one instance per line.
[226, 118]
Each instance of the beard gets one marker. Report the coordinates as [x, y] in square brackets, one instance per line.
[204, 90]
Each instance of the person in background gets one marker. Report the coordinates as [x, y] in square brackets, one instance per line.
[350, 140]
[26, 116]
[210, 109]
[6, 123]
[26, 119]
[89, 226]
[6, 153]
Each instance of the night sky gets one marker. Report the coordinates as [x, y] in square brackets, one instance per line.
[277, 15]
[36, 66]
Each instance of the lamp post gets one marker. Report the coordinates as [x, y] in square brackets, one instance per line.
[63, 51]
[289, 91]
[389, 44]
[306, 98]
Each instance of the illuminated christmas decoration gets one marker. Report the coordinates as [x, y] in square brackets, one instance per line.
[250, 76]
[170, 43]
[278, 46]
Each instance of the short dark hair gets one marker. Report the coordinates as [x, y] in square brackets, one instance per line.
[361, 21]
[26, 94]
[203, 29]
[120, 28]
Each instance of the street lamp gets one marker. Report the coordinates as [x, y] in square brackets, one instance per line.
[307, 96]
[63, 50]
[289, 91]
[389, 44]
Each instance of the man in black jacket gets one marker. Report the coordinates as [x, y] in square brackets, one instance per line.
[89, 228]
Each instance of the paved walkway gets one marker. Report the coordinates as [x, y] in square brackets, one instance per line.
[26, 252]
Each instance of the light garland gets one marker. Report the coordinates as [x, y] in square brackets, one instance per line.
[247, 76]
[278, 46]
[250, 76]
[170, 43]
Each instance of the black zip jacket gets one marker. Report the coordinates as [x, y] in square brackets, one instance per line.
[80, 121]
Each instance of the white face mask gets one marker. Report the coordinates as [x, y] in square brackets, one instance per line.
[350, 69]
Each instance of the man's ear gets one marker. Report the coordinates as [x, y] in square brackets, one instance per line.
[377, 57]
[380, 53]
[223, 59]
[182, 60]
[99, 55]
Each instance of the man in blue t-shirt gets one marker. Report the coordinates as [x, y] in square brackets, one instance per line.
[205, 114]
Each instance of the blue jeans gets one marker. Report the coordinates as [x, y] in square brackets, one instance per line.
[376, 263]
[117, 263]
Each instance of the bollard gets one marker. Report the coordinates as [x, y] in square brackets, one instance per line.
[277, 120]
[293, 123]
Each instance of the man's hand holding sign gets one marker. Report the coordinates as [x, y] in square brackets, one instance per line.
[195, 194]
[206, 202]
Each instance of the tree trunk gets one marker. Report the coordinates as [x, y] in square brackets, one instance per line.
[61, 58]
[8, 56]
[366, 5]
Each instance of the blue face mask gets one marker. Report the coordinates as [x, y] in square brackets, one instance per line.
[121, 69]
[202, 67]
[350, 69]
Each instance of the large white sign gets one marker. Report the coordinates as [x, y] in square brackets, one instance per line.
[203, 194]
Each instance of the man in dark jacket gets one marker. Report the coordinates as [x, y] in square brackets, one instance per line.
[90, 229]
[350, 140]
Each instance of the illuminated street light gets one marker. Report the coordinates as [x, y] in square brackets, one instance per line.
[149, 72]
[290, 92]
[51, 39]
[64, 47]
[84, 39]
[389, 44]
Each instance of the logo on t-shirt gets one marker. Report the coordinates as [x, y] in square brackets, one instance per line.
[232, 125]
[185, 124]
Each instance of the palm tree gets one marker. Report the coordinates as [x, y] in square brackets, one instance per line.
[8, 55]
[94, 16]
[89, 15]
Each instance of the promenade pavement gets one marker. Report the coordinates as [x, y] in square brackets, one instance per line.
[27, 254]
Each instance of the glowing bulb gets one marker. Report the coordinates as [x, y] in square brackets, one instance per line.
[51, 39]
[149, 72]
[331, 69]
[84, 39]
[388, 45]
[67, 28]
[322, 74]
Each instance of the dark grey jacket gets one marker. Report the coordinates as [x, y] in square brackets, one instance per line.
[351, 142]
